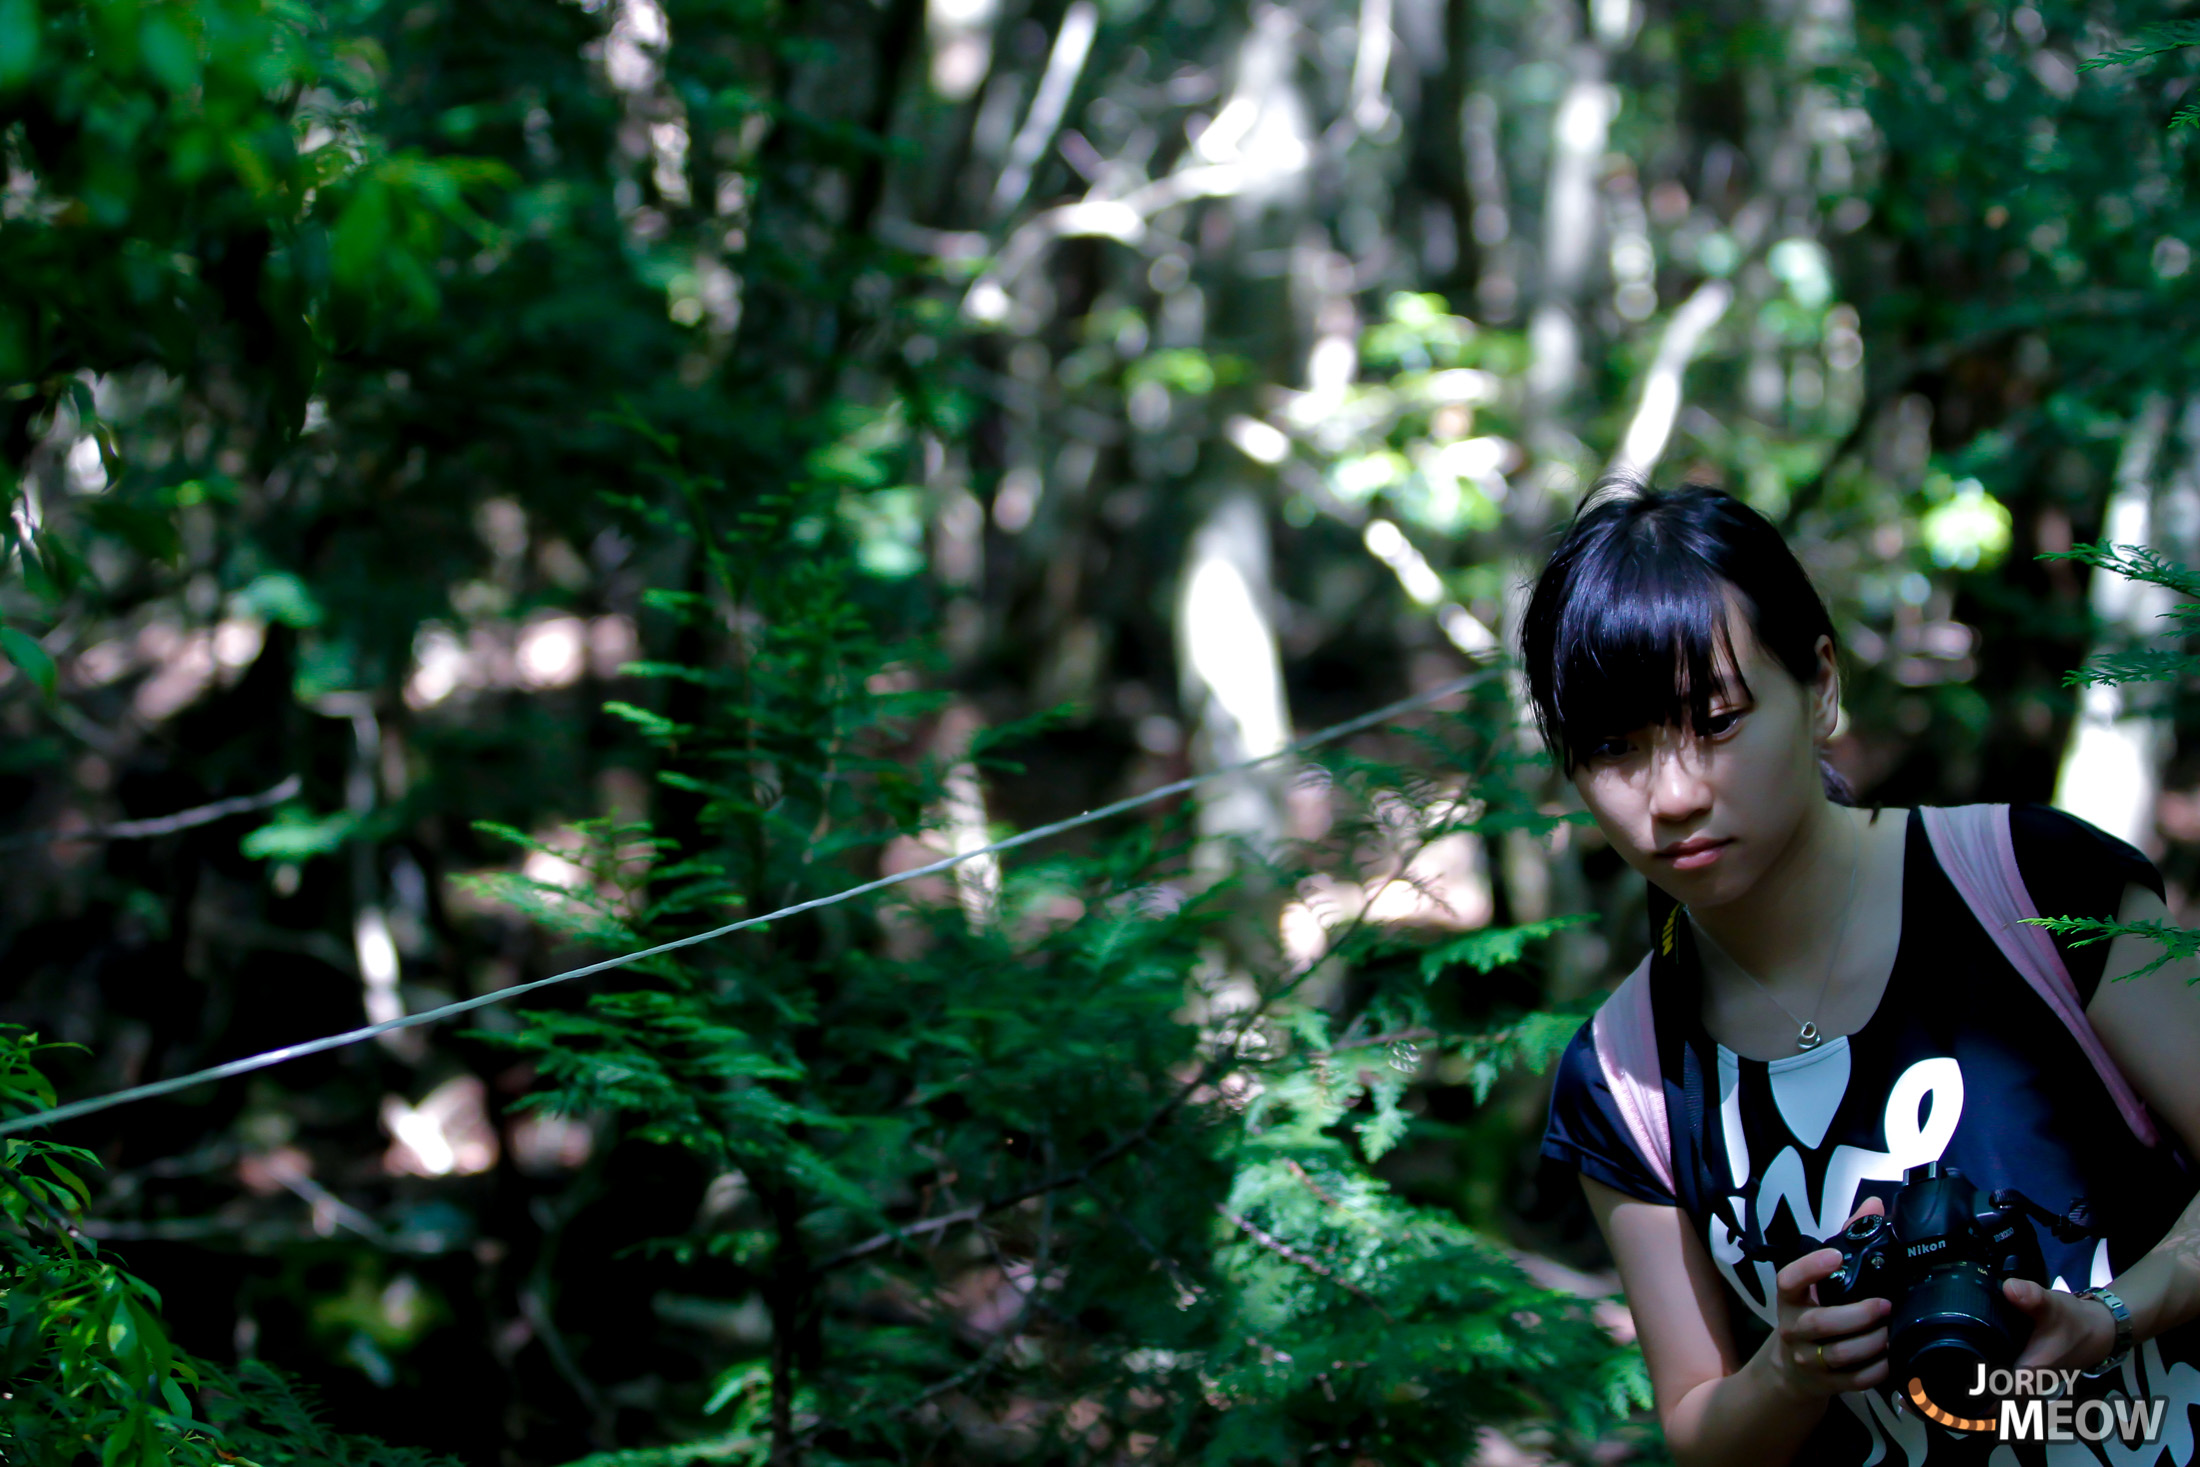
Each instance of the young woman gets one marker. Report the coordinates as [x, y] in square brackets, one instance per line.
[1817, 960]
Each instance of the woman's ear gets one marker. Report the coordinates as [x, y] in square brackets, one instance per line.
[1825, 692]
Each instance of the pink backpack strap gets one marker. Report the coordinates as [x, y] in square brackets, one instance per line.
[1626, 1039]
[1975, 848]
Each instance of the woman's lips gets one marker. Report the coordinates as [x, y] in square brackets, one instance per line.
[1693, 855]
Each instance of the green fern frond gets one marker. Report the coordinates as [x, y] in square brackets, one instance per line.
[2172, 35]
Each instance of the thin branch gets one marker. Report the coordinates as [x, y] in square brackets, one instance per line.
[1072, 44]
[327, 1204]
[1225, 1054]
[1652, 425]
[986, 1360]
[1395, 1036]
[1938, 358]
[1425, 588]
[1168, 1262]
[1033, 1303]
[1095, 217]
[1290, 1254]
[192, 1230]
[536, 1311]
[877, 1242]
[1370, 102]
[163, 824]
[1307, 1178]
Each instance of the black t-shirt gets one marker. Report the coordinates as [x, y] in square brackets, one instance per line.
[1963, 1063]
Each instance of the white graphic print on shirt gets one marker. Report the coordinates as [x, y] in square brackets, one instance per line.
[1923, 1108]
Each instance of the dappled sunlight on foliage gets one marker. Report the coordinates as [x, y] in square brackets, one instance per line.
[494, 486]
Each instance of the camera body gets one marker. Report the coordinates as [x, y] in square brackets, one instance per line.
[1940, 1259]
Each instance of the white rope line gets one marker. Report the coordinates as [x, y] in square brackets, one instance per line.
[247, 1065]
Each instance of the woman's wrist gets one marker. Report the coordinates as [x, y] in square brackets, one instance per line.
[1779, 1381]
[2149, 1290]
[2162, 1290]
[1760, 1415]
[2106, 1349]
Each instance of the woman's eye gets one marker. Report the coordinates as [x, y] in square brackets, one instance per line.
[1726, 721]
[1614, 747]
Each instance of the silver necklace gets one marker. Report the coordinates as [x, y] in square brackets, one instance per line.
[1807, 1037]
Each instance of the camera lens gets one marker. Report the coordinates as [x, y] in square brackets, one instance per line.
[1947, 1326]
[1948, 1368]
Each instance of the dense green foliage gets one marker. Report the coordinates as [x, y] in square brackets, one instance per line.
[640, 463]
[91, 1370]
[998, 1098]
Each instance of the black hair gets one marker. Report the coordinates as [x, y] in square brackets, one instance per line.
[1626, 627]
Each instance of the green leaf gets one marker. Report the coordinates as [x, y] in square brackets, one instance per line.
[2153, 41]
[19, 21]
[123, 1337]
[120, 1442]
[168, 53]
[70, 1180]
[986, 743]
[23, 650]
[2177, 943]
[152, 1339]
[298, 835]
[2135, 562]
[1493, 947]
[2145, 666]
[733, 1383]
[1381, 1132]
[280, 596]
[652, 725]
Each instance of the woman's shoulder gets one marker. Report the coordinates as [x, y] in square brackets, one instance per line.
[1577, 1077]
[1585, 1131]
[2054, 845]
[2073, 868]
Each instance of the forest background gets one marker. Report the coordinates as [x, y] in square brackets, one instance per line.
[497, 485]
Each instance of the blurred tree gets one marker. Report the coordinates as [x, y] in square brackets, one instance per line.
[323, 339]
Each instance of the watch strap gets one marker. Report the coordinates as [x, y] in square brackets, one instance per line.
[2120, 1351]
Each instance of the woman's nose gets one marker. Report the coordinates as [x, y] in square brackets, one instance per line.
[1678, 784]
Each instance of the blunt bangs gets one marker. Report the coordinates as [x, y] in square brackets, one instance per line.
[1628, 625]
[1654, 650]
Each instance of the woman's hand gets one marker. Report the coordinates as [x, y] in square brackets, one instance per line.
[1825, 1349]
[2067, 1332]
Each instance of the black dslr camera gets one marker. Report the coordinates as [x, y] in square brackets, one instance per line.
[1941, 1261]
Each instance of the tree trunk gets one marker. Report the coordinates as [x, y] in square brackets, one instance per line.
[2112, 766]
[1232, 687]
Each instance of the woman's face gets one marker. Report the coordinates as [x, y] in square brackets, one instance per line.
[1703, 817]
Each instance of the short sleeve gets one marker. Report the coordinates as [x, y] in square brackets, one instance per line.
[2075, 869]
[1585, 1131]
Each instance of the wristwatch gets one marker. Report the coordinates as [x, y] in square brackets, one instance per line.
[2120, 1351]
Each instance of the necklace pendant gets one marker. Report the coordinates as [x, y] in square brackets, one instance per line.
[1810, 1038]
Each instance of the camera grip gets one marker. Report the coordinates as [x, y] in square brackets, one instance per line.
[1866, 1246]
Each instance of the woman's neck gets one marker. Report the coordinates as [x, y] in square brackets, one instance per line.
[1785, 930]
